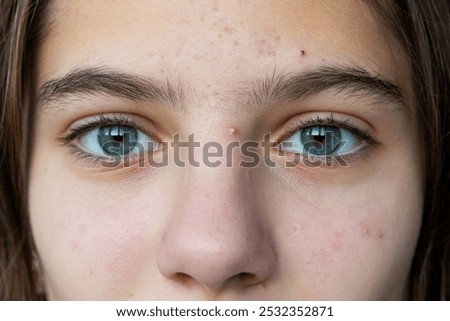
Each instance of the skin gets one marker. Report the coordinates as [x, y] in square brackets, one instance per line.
[225, 233]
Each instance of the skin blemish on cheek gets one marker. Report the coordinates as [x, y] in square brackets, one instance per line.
[365, 230]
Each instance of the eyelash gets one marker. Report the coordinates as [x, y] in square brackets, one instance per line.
[123, 120]
[362, 134]
[94, 122]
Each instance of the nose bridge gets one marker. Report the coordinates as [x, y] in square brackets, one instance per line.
[216, 233]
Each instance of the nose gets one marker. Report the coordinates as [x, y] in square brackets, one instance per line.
[217, 237]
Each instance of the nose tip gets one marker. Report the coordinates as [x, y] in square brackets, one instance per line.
[239, 265]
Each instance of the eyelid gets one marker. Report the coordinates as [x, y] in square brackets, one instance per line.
[354, 125]
[350, 123]
[77, 129]
[81, 126]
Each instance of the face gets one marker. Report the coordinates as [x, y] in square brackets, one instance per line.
[323, 78]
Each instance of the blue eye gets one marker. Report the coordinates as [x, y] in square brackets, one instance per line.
[115, 140]
[321, 140]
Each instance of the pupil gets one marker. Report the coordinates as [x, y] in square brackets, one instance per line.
[320, 140]
[117, 140]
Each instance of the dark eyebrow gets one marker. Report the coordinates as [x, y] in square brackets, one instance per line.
[353, 81]
[95, 80]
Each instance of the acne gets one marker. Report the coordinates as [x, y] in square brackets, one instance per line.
[366, 231]
[266, 44]
[371, 232]
[265, 48]
[233, 131]
[227, 29]
[337, 241]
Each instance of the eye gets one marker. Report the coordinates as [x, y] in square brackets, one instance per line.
[322, 140]
[115, 140]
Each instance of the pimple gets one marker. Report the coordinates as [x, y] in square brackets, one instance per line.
[265, 48]
[365, 231]
[233, 131]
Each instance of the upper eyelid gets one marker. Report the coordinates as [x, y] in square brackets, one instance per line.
[329, 119]
[104, 120]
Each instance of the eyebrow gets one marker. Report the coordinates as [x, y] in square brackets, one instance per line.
[101, 80]
[274, 88]
[351, 80]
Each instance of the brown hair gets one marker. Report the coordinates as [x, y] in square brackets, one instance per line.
[423, 28]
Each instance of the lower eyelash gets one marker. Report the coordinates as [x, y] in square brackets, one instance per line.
[88, 159]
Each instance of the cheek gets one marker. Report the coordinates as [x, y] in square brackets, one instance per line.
[364, 236]
[94, 241]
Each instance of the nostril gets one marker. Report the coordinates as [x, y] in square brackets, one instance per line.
[182, 277]
[246, 276]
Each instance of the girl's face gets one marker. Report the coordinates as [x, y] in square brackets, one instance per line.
[322, 76]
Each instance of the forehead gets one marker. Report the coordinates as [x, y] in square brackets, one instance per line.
[215, 44]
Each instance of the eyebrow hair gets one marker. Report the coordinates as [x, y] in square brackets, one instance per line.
[354, 81]
[101, 80]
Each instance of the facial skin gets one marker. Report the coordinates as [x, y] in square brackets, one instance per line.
[225, 233]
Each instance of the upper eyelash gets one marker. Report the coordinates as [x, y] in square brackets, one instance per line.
[97, 121]
[330, 121]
